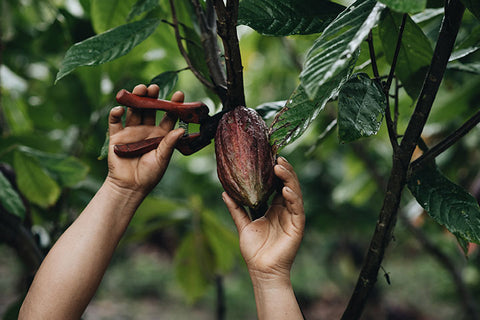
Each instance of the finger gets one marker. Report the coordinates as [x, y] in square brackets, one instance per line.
[140, 90]
[178, 96]
[135, 116]
[115, 120]
[166, 146]
[239, 215]
[153, 90]
[294, 204]
[289, 178]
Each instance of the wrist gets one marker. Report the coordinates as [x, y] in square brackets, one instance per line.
[126, 195]
[271, 280]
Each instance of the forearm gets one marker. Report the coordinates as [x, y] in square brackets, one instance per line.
[275, 298]
[74, 267]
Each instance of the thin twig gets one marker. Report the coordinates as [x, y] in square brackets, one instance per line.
[373, 59]
[184, 53]
[446, 143]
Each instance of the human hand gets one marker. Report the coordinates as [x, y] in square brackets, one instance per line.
[144, 172]
[269, 244]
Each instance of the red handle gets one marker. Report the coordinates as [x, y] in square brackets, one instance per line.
[190, 112]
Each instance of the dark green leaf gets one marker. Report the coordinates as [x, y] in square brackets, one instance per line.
[287, 17]
[473, 6]
[34, 183]
[107, 14]
[195, 50]
[407, 6]
[67, 170]
[361, 106]
[9, 198]
[473, 67]
[104, 150]
[333, 51]
[166, 81]
[106, 46]
[268, 109]
[299, 112]
[141, 6]
[415, 52]
[468, 46]
[447, 203]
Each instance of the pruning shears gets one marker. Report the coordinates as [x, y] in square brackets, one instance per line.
[189, 112]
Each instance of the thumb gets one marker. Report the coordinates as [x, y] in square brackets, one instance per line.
[239, 215]
[165, 148]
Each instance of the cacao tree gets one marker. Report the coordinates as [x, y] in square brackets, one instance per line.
[367, 69]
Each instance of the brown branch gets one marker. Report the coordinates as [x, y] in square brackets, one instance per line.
[446, 143]
[227, 29]
[401, 158]
[184, 53]
[373, 59]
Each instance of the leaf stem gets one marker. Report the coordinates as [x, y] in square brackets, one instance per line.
[446, 143]
[373, 59]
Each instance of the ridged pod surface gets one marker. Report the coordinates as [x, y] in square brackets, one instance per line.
[244, 157]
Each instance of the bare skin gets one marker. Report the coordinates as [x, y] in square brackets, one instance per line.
[269, 245]
[71, 272]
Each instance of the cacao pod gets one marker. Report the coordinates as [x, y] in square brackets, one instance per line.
[244, 157]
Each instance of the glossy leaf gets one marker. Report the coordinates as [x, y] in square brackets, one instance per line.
[108, 14]
[447, 203]
[166, 81]
[333, 51]
[268, 110]
[473, 6]
[415, 52]
[67, 170]
[107, 46]
[141, 6]
[299, 112]
[287, 17]
[407, 6]
[10, 199]
[473, 67]
[34, 183]
[361, 106]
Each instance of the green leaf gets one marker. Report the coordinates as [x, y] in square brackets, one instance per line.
[67, 170]
[287, 17]
[107, 14]
[268, 110]
[473, 6]
[415, 53]
[106, 46]
[34, 183]
[195, 50]
[447, 203]
[16, 115]
[166, 81]
[473, 67]
[361, 106]
[10, 199]
[299, 112]
[193, 265]
[407, 6]
[104, 150]
[141, 6]
[332, 52]
[468, 46]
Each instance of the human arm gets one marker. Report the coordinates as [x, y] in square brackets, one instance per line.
[71, 272]
[269, 245]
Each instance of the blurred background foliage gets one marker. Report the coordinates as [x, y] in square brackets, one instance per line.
[180, 258]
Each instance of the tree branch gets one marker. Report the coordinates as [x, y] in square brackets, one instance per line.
[401, 159]
[446, 143]
[184, 53]
[227, 29]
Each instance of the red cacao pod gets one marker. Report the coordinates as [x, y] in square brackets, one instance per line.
[244, 157]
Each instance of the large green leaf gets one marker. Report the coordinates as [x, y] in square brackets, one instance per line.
[166, 81]
[107, 46]
[107, 14]
[447, 203]
[415, 52]
[410, 6]
[141, 6]
[473, 67]
[361, 106]
[299, 112]
[332, 52]
[34, 183]
[66, 170]
[9, 198]
[286, 17]
[473, 6]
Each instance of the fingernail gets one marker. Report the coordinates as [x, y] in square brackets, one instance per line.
[283, 159]
[287, 189]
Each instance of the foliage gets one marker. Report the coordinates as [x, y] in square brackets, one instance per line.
[343, 68]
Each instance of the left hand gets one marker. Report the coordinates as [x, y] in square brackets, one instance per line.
[144, 172]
